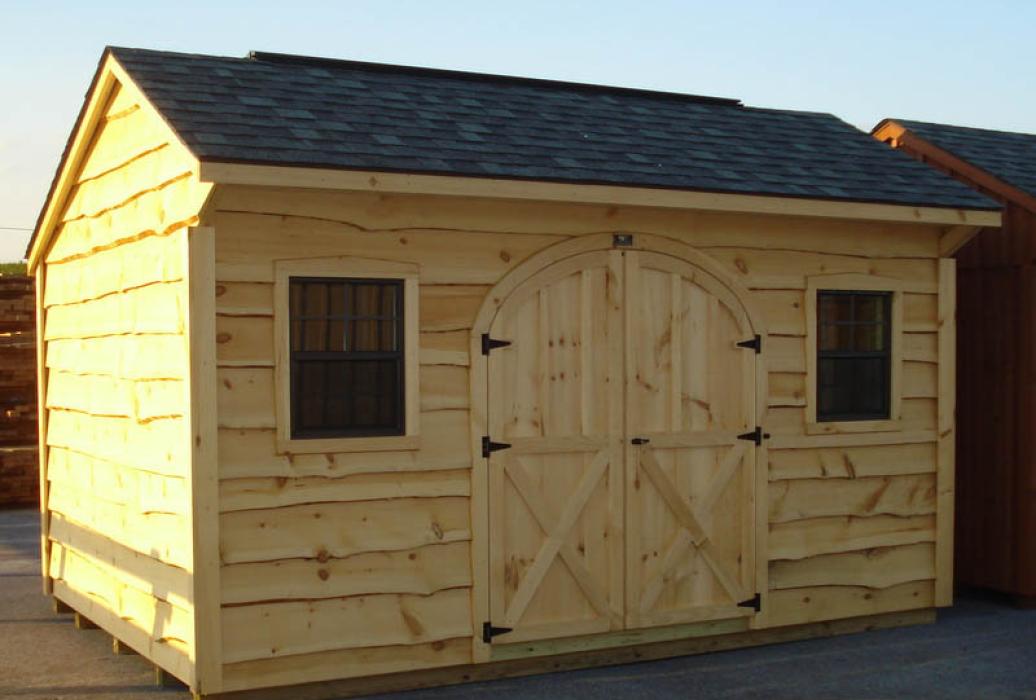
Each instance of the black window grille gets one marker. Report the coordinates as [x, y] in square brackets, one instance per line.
[854, 358]
[347, 346]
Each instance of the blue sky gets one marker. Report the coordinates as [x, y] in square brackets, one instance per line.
[949, 61]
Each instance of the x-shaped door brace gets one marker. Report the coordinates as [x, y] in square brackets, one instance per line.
[692, 532]
[556, 527]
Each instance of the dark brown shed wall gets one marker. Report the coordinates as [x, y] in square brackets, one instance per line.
[996, 408]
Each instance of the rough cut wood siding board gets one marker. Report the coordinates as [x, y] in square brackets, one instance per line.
[882, 567]
[248, 453]
[787, 269]
[254, 493]
[166, 582]
[135, 264]
[346, 663]
[403, 213]
[102, 395]
[160, 164]
[786, 389]
[886, 495]
[470, 257]
[786, 354]
[164, 622]
[283, 629]
[154, 309]
[920, 313]
[125, 356]
[917, 414]
[161, 536]
[342, 529]
[920, 347]
[168, 656]
[167, 208]
[153, 493]
[125, 134]
[801, 539]
[155, 446]
[420, 571]
[852, 462]
[815, 603]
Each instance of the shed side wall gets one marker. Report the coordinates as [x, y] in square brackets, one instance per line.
[115, 372]
[852, 518]
[996, 378]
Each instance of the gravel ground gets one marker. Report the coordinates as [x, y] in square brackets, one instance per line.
[980, 649]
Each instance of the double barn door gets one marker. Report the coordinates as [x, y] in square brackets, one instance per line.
[625, 496]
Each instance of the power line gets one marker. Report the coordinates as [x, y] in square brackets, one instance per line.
[14, 228]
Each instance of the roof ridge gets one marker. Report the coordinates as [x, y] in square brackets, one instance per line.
[957, 126]
[317, 61]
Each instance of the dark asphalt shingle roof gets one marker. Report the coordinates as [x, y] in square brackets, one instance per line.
[1006, 155]
[310, 112]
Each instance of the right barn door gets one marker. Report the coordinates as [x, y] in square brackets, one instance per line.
[690, 462]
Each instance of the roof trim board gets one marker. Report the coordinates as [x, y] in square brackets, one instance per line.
[899, 136]
[227, 173]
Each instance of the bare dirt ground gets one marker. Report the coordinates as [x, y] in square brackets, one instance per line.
[978, 650]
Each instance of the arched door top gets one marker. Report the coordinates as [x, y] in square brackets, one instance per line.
[608, 241]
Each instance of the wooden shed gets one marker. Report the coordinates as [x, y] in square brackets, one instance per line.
[385, 377]
[996, 379]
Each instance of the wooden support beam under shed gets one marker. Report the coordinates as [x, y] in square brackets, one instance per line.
[121, 649]
[60, 608]
[165, 679]
[83, 623]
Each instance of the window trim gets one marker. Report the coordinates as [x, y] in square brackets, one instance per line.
[859, 283]
[351, 268]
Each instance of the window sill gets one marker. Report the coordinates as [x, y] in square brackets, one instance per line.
[387, 443]
[854, 426]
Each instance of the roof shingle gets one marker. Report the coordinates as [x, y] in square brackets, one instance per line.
[1006, 155]
[278, 110]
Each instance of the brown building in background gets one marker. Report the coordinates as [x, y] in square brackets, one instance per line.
[996, 351]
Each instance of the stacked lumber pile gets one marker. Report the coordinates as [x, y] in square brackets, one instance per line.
[18, 464]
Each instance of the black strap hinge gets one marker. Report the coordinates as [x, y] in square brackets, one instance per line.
[640, 441]
[757, 436]
[755, 603]
[489, 631]
[489, 344]
[755, 343]
[488, 446]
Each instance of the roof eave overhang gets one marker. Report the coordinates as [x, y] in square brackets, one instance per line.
[231, 173]
[898, 136]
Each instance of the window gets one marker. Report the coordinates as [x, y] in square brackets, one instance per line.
[854, 353]
[347, 344]
[854, 363]
[346, 367]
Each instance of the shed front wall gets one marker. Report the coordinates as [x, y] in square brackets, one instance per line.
[852, 517]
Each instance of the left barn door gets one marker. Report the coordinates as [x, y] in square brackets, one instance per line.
[556, 494]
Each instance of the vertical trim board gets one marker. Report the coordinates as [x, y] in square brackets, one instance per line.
[204, 488]
[946, 455]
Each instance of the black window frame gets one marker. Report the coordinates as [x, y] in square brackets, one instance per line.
[849, 355]
[297, 357]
